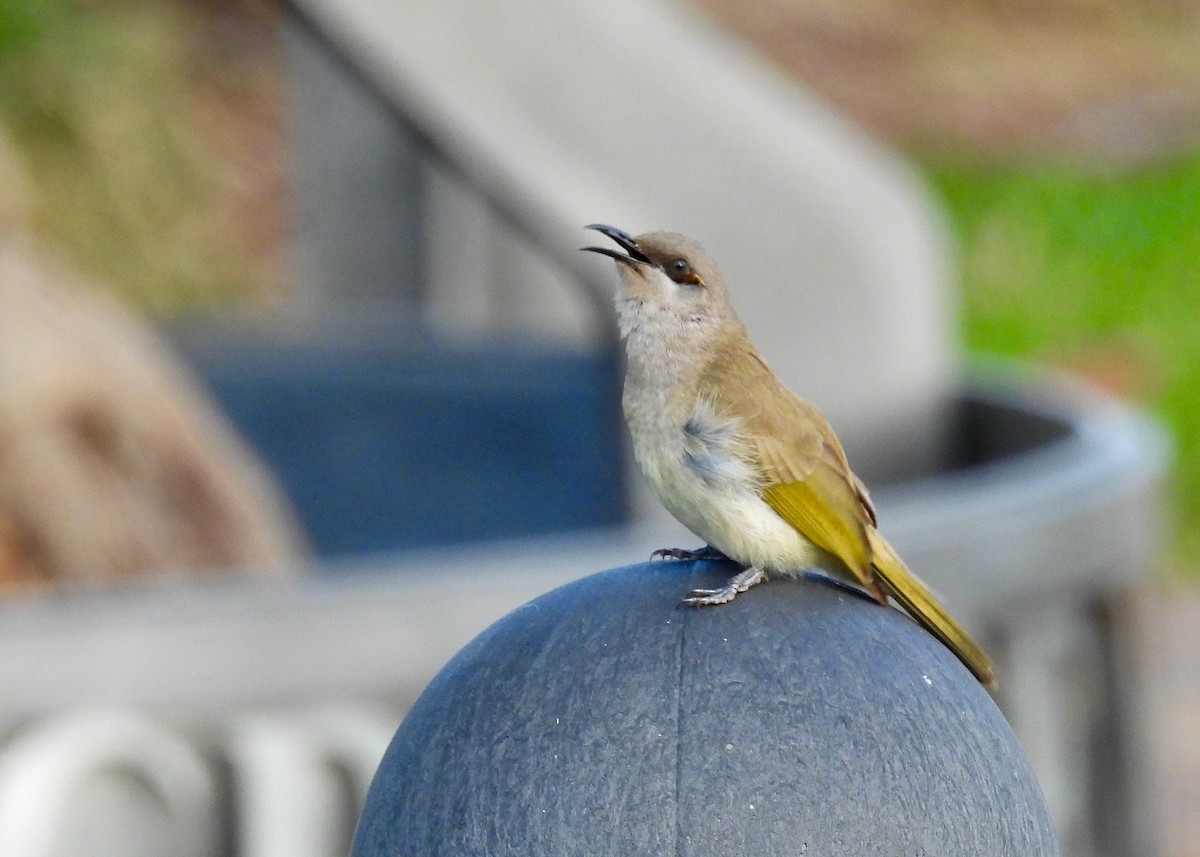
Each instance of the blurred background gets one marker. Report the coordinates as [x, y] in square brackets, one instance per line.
[290, 316]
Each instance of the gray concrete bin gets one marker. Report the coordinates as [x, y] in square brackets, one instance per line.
[1036, 527]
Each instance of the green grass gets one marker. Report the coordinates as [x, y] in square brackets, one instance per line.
[98, 119]
[1100, 273]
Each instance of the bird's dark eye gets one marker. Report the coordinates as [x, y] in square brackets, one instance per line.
[680, 271]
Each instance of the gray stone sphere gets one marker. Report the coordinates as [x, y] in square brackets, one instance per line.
[605, 719]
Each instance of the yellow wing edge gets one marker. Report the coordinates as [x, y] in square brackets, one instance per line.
[914, 596]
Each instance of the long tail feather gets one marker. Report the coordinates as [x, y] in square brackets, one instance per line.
[920, 603]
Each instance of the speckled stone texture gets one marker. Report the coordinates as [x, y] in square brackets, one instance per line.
[604, 719]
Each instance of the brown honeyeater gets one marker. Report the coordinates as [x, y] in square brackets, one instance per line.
[742, 461]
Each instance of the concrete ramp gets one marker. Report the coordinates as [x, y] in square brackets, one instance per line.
[642, 114]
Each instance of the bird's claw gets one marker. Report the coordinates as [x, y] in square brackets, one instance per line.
[710, 597]
[740, 582]
[706, 552]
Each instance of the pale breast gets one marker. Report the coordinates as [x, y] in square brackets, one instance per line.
[701, 469]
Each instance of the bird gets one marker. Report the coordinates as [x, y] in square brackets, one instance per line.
[739, 459]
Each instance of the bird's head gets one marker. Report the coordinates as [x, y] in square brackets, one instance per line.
[666, 279]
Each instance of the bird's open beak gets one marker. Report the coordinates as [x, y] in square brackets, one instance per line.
[626, 242]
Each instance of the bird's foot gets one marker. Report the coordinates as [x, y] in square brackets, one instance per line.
[706, 552]
[740, 582]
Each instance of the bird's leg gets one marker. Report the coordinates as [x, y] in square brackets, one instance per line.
[740, 582]
[706, 552]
